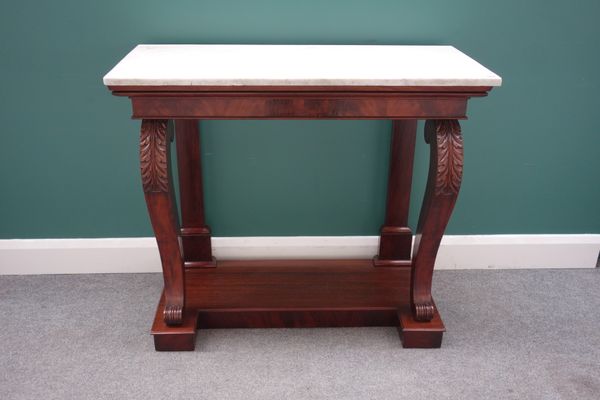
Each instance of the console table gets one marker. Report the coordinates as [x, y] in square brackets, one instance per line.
[172, 87]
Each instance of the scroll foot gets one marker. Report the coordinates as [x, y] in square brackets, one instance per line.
[173, 314]
[423, 311]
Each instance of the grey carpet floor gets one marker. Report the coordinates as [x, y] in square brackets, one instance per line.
[510, 335]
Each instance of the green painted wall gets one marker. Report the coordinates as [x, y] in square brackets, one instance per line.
[68, 156]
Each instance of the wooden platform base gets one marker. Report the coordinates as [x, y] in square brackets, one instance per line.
[296, 294]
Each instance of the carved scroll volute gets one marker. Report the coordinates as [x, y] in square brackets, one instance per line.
[173, 314]
[446, 142]
[424, 311]
[154, 156]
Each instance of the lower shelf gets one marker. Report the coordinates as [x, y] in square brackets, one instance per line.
[296, 294]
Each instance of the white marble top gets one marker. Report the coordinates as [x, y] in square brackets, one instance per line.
[298, 65]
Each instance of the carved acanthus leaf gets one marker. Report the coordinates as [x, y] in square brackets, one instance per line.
[449, 154]
[153, 155]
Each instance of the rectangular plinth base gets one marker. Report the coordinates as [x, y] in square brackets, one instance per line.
[296, 294]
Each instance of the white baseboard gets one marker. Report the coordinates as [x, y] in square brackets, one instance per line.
[74, 256]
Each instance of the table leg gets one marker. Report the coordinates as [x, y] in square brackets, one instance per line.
[443, 184]
[155, 139]
[195, 234]
[396, 236]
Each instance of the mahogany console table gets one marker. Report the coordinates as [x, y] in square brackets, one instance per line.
[188, 83]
